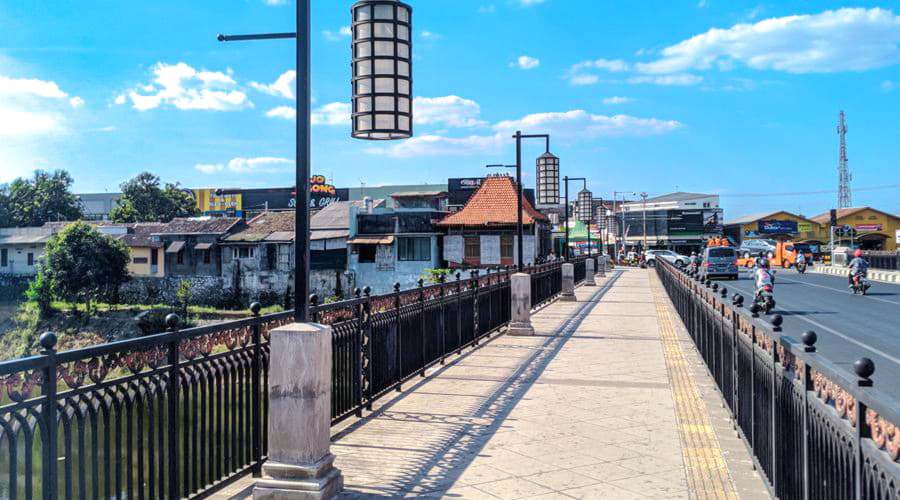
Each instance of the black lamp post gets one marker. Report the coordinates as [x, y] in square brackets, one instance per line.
[382, 107]
[566, 210]
[518, 166]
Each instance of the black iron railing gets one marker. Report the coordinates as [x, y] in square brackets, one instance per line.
[815, 430]
[183, 413]
[882, 260]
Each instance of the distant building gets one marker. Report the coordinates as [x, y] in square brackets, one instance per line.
[461, 189]
[192, 245]
[483, 232]
[389, 245]
[21, 248]
[678, 221]
[97, 206]
[385, 192]
[864, 227]
[259, 256]
[146, 251]
[779, 225]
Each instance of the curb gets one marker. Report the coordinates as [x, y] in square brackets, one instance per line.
[873, 275]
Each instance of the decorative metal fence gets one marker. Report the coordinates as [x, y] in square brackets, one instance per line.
[183, 413]
[889, 261]
[815, 430]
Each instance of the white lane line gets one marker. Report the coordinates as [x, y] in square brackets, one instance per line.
[837, 290]
[850, 339]
[835, 332]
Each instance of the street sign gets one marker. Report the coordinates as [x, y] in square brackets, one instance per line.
[898, 236]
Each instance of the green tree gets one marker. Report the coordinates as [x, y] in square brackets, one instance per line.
[183, 296]
[46, 197]
[144, 200]
[39, 292]
[82, 265]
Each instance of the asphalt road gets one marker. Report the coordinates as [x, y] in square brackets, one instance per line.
[848, 326]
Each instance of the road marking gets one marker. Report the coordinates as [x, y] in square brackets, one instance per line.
[840, 291]
[850, 339]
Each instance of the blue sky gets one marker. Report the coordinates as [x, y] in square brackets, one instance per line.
[738, 98]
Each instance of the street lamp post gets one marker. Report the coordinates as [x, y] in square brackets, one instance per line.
[644, 210]
[520, 238]
[382, 107]
[566, 180]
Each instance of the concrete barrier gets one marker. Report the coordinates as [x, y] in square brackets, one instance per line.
[873, 275]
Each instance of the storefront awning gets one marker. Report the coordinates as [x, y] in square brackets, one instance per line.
[203, 246]
[175, 247]
[372, 240]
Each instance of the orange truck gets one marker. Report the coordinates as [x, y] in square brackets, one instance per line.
[785, 255]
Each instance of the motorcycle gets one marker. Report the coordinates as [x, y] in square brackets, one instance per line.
[801, 267]
[860, 284]
[765, 299]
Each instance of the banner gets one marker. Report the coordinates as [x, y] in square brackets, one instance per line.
[805, 227]
[868, 227]
[898, 236]
[777, 226]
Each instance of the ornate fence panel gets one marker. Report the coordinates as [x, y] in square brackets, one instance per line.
[815, 430]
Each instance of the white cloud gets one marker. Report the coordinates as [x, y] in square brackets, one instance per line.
[283, 112]
[617, 100]
[120, 99]
[274, 3]
[451, 111]
[335, 113]
[581, 125]
[528, 3]
[526, 62]
[679, 80]
[344, 31]
[76, 102]
[436, 145]
[31, 86]
[850, 39]
[185, 88]
[431, 35]
[701, 4]
[584, 80]
[576, 125]
[248, 165]
[889, 85]
[283, 86]
[582, 73]
[14, 122]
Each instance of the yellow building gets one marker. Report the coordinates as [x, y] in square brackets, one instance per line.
[779, 225]
[874, 229]
[147, 257]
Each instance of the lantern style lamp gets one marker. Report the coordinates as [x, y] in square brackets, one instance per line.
[382, 70]
[548, 179]
[585, 209]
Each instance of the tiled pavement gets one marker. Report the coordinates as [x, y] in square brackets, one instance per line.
[584, 409]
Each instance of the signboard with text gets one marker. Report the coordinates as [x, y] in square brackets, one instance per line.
[868, 227]
[777, 227]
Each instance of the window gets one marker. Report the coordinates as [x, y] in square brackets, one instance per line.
[414, 249]
[473, 248]
[242, 252]
[3, 257]
[367, 253]
[30, 259]
[506, 246]
[207, 256]
[179, 257]
[706, 205]
[139, 260]
[271, 256]
[154, 257]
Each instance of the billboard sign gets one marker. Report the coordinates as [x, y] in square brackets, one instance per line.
[208, 202]
[898, 236]
[777, 227]
[868, 227]
[805, 227]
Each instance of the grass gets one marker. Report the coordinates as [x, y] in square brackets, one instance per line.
[192, 310]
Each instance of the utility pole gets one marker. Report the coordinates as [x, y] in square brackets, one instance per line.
[844, 198]
[644, 198]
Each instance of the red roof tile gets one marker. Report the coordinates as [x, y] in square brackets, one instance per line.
[493, 204]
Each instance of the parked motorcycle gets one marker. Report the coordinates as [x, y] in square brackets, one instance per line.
[860, 284]
[765, 299]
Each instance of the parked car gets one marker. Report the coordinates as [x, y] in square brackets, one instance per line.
[755, 248]
[670, 256]
[719, 262]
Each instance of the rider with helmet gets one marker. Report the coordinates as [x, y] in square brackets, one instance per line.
[762, 275]
[858, 266]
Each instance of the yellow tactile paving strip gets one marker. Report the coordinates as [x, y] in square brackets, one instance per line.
[705, 467]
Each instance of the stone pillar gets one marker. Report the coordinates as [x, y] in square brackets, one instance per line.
[300, 464]
[568, 283]
[604, 261]
[589, 273]
[520, 291]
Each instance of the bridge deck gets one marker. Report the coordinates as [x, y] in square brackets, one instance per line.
[609, 400]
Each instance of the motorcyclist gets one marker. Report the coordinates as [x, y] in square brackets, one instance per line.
[800, 260]
[762, 276]
[858, 266]
[695, 261]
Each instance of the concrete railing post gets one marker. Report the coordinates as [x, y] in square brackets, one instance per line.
[604, 261]
[300, 464]
[520, 291]
[568, 283]
[589, 273]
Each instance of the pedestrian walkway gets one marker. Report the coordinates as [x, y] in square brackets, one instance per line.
[606, 401]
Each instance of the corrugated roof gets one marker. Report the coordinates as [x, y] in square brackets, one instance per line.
[24, 239]
[371, 240]
[328, 234]
[199, 225]
[281, 236]
[337, 214]
[825, 218]
[142, 240]
[494, 203]
[260, 227]
[679, 196]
